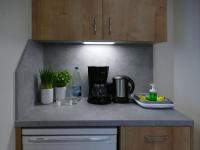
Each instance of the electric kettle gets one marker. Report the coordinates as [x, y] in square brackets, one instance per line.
[123, 86]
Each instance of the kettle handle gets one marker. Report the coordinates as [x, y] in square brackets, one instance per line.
[132, 85]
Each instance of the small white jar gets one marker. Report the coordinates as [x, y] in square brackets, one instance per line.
[46, 96]
[60, 93]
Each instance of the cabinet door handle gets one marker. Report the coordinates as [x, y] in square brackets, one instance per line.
[154, 138]
[109, 25]
[94, 25]
[68, 139]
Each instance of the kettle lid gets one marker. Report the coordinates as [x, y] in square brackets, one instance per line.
[118, 77]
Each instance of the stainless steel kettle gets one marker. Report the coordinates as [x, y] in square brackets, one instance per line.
[123, 86]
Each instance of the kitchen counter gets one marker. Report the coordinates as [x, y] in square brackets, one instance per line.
[85, 114]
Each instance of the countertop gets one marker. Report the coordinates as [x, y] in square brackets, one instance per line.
[87, 115]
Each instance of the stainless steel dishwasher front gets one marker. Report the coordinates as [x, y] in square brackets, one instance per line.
[70, 139]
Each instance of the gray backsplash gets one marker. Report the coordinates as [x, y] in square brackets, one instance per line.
[26, 83]
[135, 61]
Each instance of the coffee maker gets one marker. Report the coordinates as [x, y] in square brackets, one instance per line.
[99, 89]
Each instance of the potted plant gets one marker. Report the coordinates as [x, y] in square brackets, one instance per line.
[61, 79]
[47, 77]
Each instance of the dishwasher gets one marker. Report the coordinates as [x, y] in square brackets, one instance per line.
[69, 139]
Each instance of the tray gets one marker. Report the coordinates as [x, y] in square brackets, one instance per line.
[152, 104]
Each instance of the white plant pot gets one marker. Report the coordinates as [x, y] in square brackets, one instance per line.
[46, 96]
[60, 93]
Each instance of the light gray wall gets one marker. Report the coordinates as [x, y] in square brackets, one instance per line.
[183, 70]
[15, 29]
[187, 60]
[164, 59]
[135, 61]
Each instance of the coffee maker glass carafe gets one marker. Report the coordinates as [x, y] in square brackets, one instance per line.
[98, 86]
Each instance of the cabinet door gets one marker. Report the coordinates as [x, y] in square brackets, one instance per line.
[155, 138]
[134, 20]
[66, 19]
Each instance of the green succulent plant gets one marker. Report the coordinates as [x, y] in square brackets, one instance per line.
[62, 78]
[47, 79]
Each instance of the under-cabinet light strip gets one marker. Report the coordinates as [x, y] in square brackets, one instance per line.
[98, 43]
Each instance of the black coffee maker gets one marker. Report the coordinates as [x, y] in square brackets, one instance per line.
[99, 89]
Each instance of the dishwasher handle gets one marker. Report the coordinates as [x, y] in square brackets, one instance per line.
[66, 139]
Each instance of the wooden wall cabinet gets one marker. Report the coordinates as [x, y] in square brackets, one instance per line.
[111, 20]
[155, 138]
[66, 19]
[135, 20]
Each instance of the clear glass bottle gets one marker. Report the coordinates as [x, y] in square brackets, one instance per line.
[76, 86]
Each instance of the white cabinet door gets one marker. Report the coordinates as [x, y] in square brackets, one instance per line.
[102, 142]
